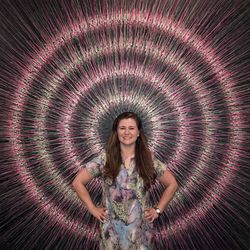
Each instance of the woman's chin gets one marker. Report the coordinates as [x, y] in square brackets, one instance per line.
[127, 142]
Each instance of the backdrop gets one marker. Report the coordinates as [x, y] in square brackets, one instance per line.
[69, 67]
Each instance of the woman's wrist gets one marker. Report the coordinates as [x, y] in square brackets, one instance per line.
[90, 207]
[158, 210]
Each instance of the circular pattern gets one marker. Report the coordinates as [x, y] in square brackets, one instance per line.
[103, 63]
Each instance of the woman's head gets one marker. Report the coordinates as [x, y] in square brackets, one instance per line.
[127, 129]
[126, 115]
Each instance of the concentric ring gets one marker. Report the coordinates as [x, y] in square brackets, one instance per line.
[87, 74]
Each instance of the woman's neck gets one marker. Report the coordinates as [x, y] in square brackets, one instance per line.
[127, 151]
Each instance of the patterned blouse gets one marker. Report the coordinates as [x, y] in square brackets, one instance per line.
[125, 201]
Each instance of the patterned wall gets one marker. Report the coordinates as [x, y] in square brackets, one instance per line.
[68, 68]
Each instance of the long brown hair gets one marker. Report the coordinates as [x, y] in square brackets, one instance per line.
[143, 157]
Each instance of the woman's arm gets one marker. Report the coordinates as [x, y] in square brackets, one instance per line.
[81, 179]
[168, 180]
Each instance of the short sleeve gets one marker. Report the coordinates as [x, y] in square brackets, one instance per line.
[95, 166]
[160, 167]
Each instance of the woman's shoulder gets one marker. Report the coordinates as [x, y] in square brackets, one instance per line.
[159, 165]
[99, 158]
[96, 165]
[102, 155]
[153, 156]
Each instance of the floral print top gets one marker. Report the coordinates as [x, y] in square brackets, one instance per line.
[125, 201]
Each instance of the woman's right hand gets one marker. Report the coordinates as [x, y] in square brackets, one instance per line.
[99, 213]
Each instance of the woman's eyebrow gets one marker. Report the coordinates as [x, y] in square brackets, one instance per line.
[123, 126]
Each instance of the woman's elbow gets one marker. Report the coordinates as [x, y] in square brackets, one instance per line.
[175, 185]
[75, 184]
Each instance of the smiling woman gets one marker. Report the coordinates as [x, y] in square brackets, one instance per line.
[127, 170]
[127, 132]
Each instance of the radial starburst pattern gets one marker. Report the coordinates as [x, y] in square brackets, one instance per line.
[68, 68]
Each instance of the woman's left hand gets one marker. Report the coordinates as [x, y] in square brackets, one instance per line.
[151, 214]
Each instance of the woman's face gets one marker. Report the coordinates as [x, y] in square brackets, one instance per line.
[127, 131]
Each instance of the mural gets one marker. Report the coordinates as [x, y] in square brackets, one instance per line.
[68, 68]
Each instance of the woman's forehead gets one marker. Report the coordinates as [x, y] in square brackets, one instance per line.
[127, 122]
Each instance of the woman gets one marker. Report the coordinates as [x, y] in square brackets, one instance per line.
[127, 170]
